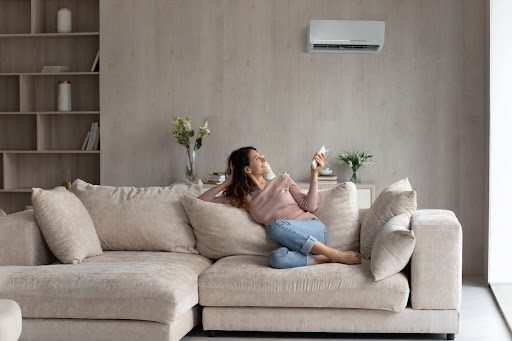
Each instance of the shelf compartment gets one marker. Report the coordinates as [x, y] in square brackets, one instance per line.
[18, 132]
[48, 170]
[84, 15]
[31, 54]
[11, 202]
[40, 93]
[10, 93]
[63, 132]
[14, 16]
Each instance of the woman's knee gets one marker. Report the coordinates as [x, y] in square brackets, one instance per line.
[277, 258]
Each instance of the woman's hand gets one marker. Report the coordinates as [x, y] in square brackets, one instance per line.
[320, 158]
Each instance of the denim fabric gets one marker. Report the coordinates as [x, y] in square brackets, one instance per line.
[296, 238]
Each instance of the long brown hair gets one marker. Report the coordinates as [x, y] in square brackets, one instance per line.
[241, 184]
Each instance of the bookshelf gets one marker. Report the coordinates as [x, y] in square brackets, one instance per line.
[40, 146]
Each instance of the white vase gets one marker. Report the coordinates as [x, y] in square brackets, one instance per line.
[64, 99]
[64, 20]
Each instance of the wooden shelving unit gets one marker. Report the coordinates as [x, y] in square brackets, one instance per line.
[40, 146]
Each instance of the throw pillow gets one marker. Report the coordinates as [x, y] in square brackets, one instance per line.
[337, 209]
[139, 219]
[65, 224]
[222, 230]
[393, 247]
[394, 200]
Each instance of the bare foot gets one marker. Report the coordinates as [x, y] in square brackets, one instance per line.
[347, 257]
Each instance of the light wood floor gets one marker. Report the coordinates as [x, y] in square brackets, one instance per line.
[480, 320]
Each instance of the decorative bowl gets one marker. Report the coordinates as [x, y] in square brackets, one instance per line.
[326, 171]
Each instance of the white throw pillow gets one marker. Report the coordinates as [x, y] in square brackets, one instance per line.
[222, 230]
[338, 210]
[139, 219]
[393, 247]
[65, 224]
[396, 199]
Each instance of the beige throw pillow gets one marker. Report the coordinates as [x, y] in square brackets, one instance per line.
[222, 230]
[337, 209]
[65, 224]
[393, 247]
[139, 219]
[394, 200]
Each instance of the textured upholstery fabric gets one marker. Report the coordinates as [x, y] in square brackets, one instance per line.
[109, 330]
[393, 247]
[152, 286]
[66, 225]
[222, 230]
[337, 209]
[396, 199]
[249, 281]
[22, 241]
[436, 263]
[133, 219]
[330, 320]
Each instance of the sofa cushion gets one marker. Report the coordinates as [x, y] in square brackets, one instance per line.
[240, 281]
[393, 247]
[396, 199]
[151, 286]
[133, 219]
[337, 209]
[222, 230]
[65, 224]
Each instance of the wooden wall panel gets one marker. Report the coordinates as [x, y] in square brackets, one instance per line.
[418, 106]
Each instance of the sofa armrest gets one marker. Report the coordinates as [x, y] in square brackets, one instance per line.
[436, 263]
[21, 241]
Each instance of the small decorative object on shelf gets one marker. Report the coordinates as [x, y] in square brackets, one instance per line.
[182, 131]
[64, 20]
[64, 101]
[355, 160]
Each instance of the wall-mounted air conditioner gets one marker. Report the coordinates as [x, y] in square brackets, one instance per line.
[345, 36]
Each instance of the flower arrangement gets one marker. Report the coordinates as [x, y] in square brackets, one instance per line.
[355, 160]
[183, 132]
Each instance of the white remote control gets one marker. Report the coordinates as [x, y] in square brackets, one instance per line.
[314, 164]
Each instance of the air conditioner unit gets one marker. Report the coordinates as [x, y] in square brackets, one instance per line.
[345, 36]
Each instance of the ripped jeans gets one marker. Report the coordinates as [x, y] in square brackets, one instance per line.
[296, 238]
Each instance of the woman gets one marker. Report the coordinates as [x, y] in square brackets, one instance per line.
[282, 208]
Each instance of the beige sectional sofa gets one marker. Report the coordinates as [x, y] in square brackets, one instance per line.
[155, 295]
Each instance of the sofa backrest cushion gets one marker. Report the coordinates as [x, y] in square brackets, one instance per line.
[139, 219]
[337, 209]
[393, 247]
[396, 199]
[65, 224]
[222, 230]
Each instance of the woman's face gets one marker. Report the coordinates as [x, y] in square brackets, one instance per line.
[258, 166]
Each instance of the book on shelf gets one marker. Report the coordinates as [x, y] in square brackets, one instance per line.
[327, 177]
[96, 138]
[54, 68]
[86, 140]
[92, 139]
[96, 64]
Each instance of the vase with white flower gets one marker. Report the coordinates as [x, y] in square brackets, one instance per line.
[183, 132]
[355, 160]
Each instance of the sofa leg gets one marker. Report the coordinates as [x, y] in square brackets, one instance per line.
[450, 336]
[211, 333]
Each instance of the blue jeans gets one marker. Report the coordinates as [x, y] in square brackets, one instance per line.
[296, 238]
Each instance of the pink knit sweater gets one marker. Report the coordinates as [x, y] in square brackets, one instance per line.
[280, 198]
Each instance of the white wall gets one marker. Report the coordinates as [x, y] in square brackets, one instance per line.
[500, 163]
